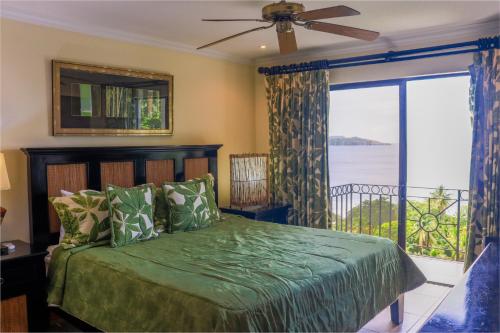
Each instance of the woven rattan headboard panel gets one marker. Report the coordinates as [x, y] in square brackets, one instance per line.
[53, 169]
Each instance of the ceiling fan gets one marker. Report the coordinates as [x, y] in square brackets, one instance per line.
[284, 15]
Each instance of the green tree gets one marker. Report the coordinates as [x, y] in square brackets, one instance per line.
[432, 225]
[378, 217]
[431, 228]
[150, 119]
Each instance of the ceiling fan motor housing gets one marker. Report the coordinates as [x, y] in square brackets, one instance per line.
[284, 15]
[281, 11]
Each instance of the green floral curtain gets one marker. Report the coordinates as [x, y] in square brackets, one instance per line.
[484, 193]
[298, 134]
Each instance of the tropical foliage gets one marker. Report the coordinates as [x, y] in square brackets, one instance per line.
[150, 110]
[187, 206]
[133, 105]
[431, 224]
[152, 119]
[84, 217]
[376, 210]
[131, 211]
[119, 103]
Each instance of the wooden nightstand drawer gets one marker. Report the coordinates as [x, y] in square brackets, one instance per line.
[14, 277]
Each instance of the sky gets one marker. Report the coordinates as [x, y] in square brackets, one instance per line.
[371, 113]
[439, 130]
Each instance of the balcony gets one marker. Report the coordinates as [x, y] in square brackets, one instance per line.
[435, 221]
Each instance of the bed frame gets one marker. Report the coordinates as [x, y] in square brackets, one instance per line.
[51, 170]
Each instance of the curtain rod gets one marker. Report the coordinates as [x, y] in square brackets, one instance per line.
[391, 56]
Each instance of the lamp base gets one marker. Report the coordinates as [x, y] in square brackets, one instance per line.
[3, 211]
[5, 250]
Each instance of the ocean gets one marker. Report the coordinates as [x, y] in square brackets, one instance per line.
[379, 165]
[364, 164]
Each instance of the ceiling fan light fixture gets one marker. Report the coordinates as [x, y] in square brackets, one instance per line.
[262, 47]
[284, 26]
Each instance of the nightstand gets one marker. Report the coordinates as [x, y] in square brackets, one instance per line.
[23, 283]
[275, 214]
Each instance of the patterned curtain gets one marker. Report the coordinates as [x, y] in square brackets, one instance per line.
[484, 193]
[298, 135]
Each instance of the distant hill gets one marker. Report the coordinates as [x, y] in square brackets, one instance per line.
[353, 141]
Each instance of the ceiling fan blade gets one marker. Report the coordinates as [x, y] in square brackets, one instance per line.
[343, 30]
[234, 20]
[235, 35]
[287, 41]
[325, 13]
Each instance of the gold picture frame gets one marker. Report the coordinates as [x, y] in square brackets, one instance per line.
[103, 110]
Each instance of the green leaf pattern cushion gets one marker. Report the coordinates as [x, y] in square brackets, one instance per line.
[187, 205]
[212, 204]
[131, 212]
[161, 206]
[84, 216]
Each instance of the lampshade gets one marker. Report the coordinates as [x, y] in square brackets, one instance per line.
[249, 180]
[4, 177]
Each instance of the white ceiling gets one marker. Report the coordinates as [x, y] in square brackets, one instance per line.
[178, 23]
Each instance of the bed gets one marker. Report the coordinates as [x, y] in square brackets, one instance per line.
[238, 275]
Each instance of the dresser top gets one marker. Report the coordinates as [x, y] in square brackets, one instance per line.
[473, 304]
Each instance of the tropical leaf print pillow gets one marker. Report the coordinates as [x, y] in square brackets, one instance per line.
[131, 213]
[212, 204]
[84, 217]
[187, 205]
[161, 206]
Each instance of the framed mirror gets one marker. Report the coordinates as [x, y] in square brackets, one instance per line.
[97, 100]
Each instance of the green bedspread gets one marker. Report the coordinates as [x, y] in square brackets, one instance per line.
[238, 275]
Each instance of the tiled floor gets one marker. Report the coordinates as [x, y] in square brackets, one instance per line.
[419, 304]
[439, 270]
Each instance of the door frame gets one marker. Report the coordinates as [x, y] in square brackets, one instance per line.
[401, 83]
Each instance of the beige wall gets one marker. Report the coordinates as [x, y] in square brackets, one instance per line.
[213, 102]
[359, 74]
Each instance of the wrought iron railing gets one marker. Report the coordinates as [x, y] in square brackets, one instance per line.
[435, 218]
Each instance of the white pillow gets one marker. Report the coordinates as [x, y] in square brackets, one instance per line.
[61, 230]
[66, 193]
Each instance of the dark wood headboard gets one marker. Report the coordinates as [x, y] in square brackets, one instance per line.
[51, 170]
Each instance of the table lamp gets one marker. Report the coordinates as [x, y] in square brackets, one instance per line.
[4, 185]
[249, 180]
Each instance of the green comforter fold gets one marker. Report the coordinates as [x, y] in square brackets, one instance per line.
[238, 275]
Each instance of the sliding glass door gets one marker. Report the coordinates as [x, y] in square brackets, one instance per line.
[439, 131]
[365, 157]
[399, 155]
